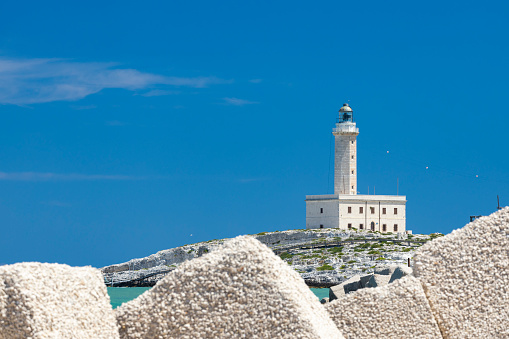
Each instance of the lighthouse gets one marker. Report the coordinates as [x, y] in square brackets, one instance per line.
[345, 152]
[345, 209]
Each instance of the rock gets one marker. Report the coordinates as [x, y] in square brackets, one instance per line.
[352, 284]
[398, 310]
[377, 280]
[324, 300]
[54, 301]
[400, 272]
[465, 275]
[386, 270]
[347, 286]
[364, 280]
[239, 290]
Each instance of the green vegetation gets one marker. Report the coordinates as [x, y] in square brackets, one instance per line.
[325, 267]
[261, 233]
[343, 267]
[351, 262]
[285, 255]
[374, 252]
[191, 250]
[381, 258]
[336, 250]
[311, 256]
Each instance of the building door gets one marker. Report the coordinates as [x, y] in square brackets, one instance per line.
[372, 225]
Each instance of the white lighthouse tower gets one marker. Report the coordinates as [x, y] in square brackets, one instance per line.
[345, 209]
[345, 155]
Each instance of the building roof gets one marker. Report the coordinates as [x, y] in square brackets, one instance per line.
[345, 108]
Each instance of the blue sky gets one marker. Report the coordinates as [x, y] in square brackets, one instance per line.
[131, 127]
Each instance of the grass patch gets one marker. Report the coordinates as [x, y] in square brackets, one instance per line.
[325, 267]
[285, 255]
[336, 250]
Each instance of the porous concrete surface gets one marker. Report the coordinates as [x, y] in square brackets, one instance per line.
[466, 278]
[397, 310]
[377, 280]
[400, 272]
[352, 284]
[241, 290]
[54, 301]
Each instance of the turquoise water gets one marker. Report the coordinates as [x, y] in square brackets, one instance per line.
[321, 292]
[120, 295]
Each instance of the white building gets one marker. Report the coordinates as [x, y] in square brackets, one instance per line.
[345, 208]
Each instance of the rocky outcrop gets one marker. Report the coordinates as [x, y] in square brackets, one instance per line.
[54, 301]
[303, 257]
[388, 275]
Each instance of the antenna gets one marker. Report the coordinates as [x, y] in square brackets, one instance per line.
[368, 190]
[498, 203]
[397, 186]
[374, 189]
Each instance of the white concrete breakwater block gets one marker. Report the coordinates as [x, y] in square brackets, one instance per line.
[241, 290]
[397, 310]
[54, 301]
[466, 278]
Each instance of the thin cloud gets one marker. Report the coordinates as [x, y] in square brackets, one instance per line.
[48, 176]
[30, 81]
[238, 102]
[160, 92]
[79, 108]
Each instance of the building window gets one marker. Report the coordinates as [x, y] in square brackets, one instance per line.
[352, 142]
[361, 210]
[352, 173]
[349, 226]
[321, 210]
[372, 210]
[361, 226]
[384, 227]
[352, 156]
[372, 225]
[384, 210]
[321, 226]
[352, 187]
[349, 209]
[395, 227]
[395, 211]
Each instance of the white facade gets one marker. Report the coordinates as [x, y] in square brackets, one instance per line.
[345, 158]
[345, 208]
[383, 213]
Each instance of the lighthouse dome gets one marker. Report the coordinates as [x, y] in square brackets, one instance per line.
[345, 108]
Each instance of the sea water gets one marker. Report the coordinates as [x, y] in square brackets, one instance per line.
[120, 295]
